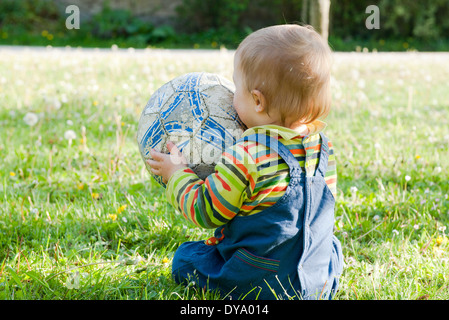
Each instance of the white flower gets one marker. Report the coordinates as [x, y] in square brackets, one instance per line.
[70, 135]
[407, 178]
[30, 119]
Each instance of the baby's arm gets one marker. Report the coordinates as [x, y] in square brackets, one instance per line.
[216, 200]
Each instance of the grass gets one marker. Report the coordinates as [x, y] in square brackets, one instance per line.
[80, 217]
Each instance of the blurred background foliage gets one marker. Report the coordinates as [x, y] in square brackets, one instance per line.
[421, 25]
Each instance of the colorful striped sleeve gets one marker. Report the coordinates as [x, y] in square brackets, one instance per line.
[218, 199]
[331, 173]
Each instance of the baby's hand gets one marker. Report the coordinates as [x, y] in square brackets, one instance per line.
[165, 165]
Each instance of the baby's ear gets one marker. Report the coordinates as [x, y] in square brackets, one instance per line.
[259, 100]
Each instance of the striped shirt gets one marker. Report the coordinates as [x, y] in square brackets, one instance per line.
[248, 177]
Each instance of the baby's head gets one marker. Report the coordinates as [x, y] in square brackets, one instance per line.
[282, 76]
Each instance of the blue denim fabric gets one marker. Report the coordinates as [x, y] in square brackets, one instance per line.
[285, 251]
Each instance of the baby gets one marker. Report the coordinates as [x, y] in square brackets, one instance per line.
[272, 196]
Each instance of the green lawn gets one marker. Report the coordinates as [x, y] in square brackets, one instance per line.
[80, 218]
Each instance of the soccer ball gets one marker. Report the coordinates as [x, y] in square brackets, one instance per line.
[195, 112]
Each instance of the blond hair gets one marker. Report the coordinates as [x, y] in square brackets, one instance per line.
[290, 65]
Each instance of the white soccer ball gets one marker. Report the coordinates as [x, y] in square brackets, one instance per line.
[196, 112]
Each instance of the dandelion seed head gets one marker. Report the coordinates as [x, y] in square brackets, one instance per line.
[70, 135]
[64, 98]
[361, 83]
[30, 119]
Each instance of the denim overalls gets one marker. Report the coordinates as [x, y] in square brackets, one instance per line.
[285, 251]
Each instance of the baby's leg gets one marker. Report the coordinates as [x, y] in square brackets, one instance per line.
[196, 261]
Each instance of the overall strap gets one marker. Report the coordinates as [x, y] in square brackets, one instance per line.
[324, 156]
[279, 148]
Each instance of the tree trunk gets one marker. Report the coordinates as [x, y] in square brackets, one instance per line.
[319, 16]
